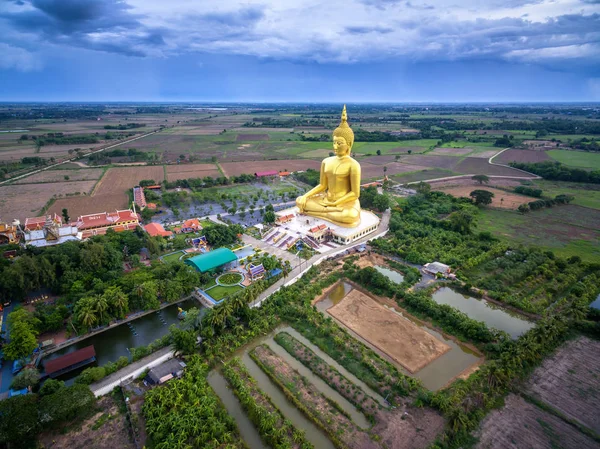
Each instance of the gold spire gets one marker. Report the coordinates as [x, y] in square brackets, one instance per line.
[344, 130]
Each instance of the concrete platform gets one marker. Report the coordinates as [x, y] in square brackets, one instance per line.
[305, 225]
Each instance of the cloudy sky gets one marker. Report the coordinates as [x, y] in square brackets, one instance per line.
[300, 50]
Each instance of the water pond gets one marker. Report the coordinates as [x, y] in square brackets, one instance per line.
[482, 310]
[116, 342]
[392, 275]
[439, 371]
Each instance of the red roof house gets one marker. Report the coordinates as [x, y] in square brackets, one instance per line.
[263, 174]
[155, 229]
[36, 223]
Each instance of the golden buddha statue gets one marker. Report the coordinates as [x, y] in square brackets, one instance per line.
[336, 197]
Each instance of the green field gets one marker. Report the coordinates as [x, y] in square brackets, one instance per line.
[173, 257]
[587, 195]
[219, 292]
[566, 230]
[579, 159]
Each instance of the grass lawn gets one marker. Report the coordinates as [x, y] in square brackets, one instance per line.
[173, 257]
[579, 159]
[219, 292]
[423, 175]
[566, 230]
[587, 195]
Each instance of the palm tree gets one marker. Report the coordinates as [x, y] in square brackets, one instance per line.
[87, 315]
[101, 306]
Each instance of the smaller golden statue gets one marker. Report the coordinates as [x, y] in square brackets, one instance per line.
[336, 197]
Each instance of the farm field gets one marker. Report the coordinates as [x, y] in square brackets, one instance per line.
[236, 169]
[85, 174]
[580, 159]
[568, 230]
[587, 195]
[83, 205]
[502, 199]
[119, 180]
[569, 382]
[372, 171]
[397, 337]
[513, 155]
[520, 424]
[175, 172]
[468, 182]
[423, 175]
[478, 166]
[26, 200]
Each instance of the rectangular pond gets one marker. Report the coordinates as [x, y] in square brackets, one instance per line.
[392, 275]
[482, 310]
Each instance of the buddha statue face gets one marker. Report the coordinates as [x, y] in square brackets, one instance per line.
[340, 146]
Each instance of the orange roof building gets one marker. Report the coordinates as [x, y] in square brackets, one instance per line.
[155, 229]
[284, 173]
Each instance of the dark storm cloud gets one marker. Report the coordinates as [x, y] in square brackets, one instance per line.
[79, 22]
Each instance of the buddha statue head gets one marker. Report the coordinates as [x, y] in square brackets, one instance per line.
[343, 137]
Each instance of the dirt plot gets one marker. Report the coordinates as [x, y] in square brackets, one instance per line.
[503, 182]
[369, 171]
[26, 200]
[521, 156]
[447, 162]
[83, 205]
[119, 180]
[484, 154]
[405, 149]
[520, 424]
[570, 381]
[502, 199]
[397, 337]
[244, 137]
[474, 165]
[106, 429]
[251, 167]
[90, 174]
[175, 172]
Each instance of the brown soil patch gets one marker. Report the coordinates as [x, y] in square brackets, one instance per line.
[484, 154]
[83, 205]
[114, 433]
[26, 200]
[90, 174]
[245, 137]
[467, 181]
[251, 167]
[475, 165]
[570, 381]
[447, 162]
[521, 156]
[119, 180]
[175, 172]
[501, 200]
[520, 424]
[397, 337]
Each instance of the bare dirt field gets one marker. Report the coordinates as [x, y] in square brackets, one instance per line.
[245, 137]
[474, 165]
[447, 162]
[90, 174]
[93, 433]
[484, 154]
[520, 424]
[397, 337]
[119, 180]
[502, 199]
[369, 171]
[569, 381]
[521, 156]
[83, 205]
[405, 149]
[26, 200]
[251, 167]
[175, 172]
[378, 160]
[504, 182]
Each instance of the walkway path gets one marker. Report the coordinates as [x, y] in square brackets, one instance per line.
[131, 371]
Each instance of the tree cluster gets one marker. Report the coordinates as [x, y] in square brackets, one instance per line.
[558, 171]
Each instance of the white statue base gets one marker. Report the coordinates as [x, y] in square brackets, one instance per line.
[322, 231]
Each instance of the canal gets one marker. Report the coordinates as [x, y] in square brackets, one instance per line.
[481, 310]
[116, 342]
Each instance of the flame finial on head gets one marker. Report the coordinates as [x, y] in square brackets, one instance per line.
[344, 130]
